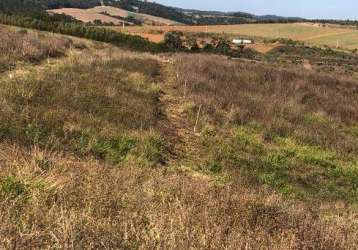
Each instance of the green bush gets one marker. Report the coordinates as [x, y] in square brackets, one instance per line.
[173, 40]
[11, 187]
[153, 149]
[115, 149]
[214, 167]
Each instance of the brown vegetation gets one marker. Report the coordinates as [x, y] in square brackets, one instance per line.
[280, 99]
[28, 47]
[88, 160]
[83, 204]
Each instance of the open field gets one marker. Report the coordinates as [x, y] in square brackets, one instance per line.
[86, 16]
[104, 148]
[314, 35]
[109, 14]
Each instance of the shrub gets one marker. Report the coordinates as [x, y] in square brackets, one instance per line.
[173, 40]
[114, 150]
[11, 187]
[214, 166]
[153, 147]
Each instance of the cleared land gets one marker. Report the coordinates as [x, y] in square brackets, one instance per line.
[86, 16]
[113, 15]
[312, 34]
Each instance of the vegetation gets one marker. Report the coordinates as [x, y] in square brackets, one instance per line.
[27, 6]
[83, 118]
[151, 8]
[57, 24]
[193, 17]
[106, 148]
[322, 59]
[28, 47]
[310, 34]
[284, 128]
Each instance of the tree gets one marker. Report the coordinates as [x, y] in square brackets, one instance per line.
[173, 40]
[193, 45]
[223, 47]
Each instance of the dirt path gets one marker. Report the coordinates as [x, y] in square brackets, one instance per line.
[176, 127]
[307, 65]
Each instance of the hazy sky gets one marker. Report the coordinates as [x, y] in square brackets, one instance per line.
[335, 9]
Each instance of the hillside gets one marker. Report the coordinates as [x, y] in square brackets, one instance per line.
[112, 15]
[218, 17]
[144, 9]
[102, 147]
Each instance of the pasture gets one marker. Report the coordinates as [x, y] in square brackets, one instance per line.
[310, 33]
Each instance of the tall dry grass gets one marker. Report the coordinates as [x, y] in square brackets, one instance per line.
[319, 109]
[80, 203]
[293, 131]
[83, 157]
[25, 46]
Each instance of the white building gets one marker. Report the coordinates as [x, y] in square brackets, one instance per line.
[241, 41]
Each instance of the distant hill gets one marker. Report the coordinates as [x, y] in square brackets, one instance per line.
[219, 17]
[196, 17]
[112, 15]
[30, 5]
[185, 16]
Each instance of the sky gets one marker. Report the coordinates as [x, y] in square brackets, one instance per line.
[331, 9]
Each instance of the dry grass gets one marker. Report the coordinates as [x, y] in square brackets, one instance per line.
[87, 16]
[86, 105]
[147, 19]
[82, 204]
[346, 39]
[288, 129]
[28, 46]
[314, 107]
[83, 155]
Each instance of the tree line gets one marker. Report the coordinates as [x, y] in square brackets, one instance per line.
[65, 25]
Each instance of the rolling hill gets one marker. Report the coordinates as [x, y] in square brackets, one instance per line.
[145, 8]
[109, 14]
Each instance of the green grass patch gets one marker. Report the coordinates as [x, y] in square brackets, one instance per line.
[12, 188]
[292, 168]
[88, 108]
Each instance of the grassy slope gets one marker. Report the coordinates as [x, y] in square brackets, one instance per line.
[103, 148]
